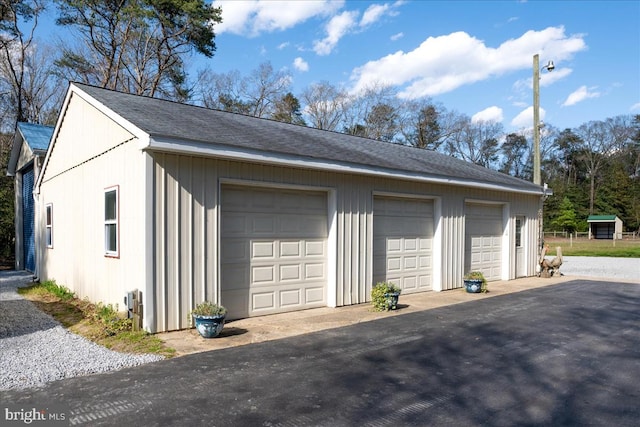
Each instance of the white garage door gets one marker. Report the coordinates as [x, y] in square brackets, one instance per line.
[402, 242]
[483, 242]
[273, 250]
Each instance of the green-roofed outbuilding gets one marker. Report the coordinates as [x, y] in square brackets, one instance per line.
[604, 227]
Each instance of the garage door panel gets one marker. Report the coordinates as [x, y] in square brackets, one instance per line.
[263, 249]
[315, 248]
[483, 242]
[290, 298]
[410, 263]
[276, 252]
[236, 225]
[263, 274]
[290, 249]
[289, 272]
[315, 295]
[263, 301]
[237, 303]
[425, 262]
[403, 233]
[262, 225]
[234, 276]
[314, 271]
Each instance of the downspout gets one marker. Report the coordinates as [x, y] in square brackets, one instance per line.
[36, 218]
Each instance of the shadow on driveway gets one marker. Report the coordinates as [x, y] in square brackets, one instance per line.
[565, 354]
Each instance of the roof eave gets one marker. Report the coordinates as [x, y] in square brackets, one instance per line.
[172, 145]
[18, 142]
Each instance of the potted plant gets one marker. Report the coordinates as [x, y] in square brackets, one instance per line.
[475, 282]
[384, 296]
[208, 318]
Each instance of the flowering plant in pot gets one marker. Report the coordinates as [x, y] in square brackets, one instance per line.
[208, 318]
[384, 296]
[475, 282]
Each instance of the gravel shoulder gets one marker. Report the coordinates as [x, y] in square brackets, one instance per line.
[35, 349]
[603, 267]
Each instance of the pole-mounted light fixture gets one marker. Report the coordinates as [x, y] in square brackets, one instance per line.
[536, 115]
[536, 145]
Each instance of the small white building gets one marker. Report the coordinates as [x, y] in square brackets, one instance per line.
[186, 203]
[604, 227]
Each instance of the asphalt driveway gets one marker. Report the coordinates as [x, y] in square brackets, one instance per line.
[565, 354]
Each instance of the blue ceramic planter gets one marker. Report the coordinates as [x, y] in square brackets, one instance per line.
[392, 300]
[473, 286]
[209, 326]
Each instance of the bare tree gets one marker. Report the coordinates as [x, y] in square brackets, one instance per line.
[516, 156]
[264, 88]
[382, 122]
[475, 142]
[363, 111]
[325, 105]
[222, 91]
[257, 94]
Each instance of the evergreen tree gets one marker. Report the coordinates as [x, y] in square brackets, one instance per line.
[566, 219]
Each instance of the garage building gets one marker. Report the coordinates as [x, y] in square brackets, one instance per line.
[186, 203]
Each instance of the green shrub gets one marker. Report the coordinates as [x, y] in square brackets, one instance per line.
[208, 308]
[60, 291]
[379, 296]
[110, 319]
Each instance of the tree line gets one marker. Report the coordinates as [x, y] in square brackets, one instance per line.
[145, 47]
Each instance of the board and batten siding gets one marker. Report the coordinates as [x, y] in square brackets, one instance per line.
[186, 227]
[92, 153]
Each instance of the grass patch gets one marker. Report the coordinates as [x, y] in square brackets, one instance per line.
[99, 323]
[599, 248]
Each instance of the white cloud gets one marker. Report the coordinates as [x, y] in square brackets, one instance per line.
[253, 17]
[491, 114]
[373, 14]
[580, 95]
[635, 107]
[283, 45]
[546, 79]
[444, 63]
[524, 120]
[337, 27]
[397, 36]
[300, 64]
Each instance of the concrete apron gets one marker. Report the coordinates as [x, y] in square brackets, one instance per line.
[276, 326]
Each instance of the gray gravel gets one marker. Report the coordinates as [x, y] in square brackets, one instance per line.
[602, 267]
[35, 349]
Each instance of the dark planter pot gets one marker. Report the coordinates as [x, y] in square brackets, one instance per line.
[209, 326]
[392, 300]
[473, 286]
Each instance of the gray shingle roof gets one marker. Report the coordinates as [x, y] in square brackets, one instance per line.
[167, 119]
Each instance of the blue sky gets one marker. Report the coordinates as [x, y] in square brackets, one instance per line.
[474, 57]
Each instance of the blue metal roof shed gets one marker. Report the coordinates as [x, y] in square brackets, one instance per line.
[30, 145]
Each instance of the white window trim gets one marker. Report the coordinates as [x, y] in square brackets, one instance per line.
[49, 224]
[116, 221]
